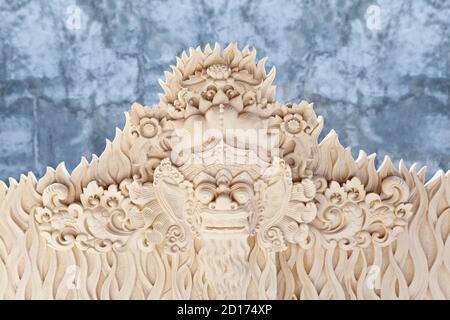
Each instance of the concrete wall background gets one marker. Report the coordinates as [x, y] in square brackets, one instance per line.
[379, 75]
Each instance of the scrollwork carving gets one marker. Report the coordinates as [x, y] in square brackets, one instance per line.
[104, 219]
[350, 216]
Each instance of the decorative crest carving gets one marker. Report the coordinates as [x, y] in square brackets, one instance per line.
[227, 193]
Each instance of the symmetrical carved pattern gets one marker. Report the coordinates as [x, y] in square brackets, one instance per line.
[351, 217]
[220, 191]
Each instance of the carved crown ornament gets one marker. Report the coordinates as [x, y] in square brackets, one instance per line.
[221, 192]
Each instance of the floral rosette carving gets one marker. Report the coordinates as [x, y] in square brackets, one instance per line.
[295, 121]
[298, 128]
[350, 217]
[150, 135]
[299, 118]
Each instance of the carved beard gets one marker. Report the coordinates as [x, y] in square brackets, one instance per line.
[226, 267]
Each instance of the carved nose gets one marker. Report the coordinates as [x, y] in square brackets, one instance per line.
[220, 98]
[223, 202]
[218, 205]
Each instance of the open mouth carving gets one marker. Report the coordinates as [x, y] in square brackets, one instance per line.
[224, 229]
[224, 222]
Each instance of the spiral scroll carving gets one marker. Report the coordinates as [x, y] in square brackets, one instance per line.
[350, 216]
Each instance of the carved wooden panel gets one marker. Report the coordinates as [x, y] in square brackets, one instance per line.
[221, 192]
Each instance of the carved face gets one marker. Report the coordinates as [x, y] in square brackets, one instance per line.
[221, 102]
[219, 88]
[225, 205]
[226, 202]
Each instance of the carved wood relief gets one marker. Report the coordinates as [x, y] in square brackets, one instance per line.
[221, 192]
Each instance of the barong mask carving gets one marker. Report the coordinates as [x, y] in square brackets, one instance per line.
[227, 193]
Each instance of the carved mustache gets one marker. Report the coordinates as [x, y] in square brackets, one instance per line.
[220, 98]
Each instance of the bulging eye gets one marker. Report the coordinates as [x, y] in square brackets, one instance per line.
[230, 92]
[249, 98]
[193, 101]
[209, 93]
[241, 193]
[205, 192]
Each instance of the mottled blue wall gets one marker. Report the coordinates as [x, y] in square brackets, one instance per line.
[380, 77]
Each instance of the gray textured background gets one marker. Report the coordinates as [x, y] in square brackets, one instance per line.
[63, 91]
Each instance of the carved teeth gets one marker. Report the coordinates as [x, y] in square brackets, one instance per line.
[225, 229]
[224, 222]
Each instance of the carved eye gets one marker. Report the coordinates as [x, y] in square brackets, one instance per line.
[230, 92]
[209, 93]
[177, 104]
[205, 192]
[193, 101]
[241, 193]
[249, 98]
